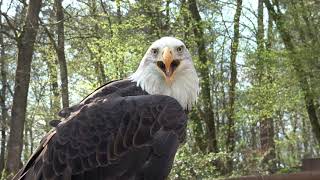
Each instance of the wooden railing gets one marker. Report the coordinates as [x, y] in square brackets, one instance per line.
[310, 170]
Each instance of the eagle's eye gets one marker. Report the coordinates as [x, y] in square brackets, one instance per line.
[180, 49]
[154, 51]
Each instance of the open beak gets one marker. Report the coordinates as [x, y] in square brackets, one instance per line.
[167, 57]
[168, 65]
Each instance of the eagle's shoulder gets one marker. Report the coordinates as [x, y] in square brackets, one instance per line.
[116, 88]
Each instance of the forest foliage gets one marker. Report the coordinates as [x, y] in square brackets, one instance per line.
[258, 61]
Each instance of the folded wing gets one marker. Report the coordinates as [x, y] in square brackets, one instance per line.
[112, 138]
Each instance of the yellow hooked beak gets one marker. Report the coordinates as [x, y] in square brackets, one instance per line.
[168, 64]
[167, 60]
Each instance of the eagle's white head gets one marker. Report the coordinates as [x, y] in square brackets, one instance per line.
[167, 69]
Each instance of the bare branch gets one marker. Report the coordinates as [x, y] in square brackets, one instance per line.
[11, 26]
[50, 35]
[224, 24]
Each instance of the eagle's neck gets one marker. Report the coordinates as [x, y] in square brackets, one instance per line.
[184, 88]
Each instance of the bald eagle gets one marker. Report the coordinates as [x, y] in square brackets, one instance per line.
[126, 129]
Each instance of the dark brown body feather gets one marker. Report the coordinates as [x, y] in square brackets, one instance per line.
[117, 132]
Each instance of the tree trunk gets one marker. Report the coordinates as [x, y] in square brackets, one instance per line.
[26, 150]
[54, 87]
[166, 26]
[3, 98]
[118, 4]
[208, 115]
[298, 67]
[308, 34]
[184, 12]
[305, 136]
[61, 55]
[31, 140]
[96, 57]
[260, 33]
[22, 78]
[230, 142]
[267, 144]
[201, 143]
[267, 123]
[99, 69]
[194, 115]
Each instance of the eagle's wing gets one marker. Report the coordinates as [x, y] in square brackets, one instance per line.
[116, 88]
[127, 137]
[103, 90]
